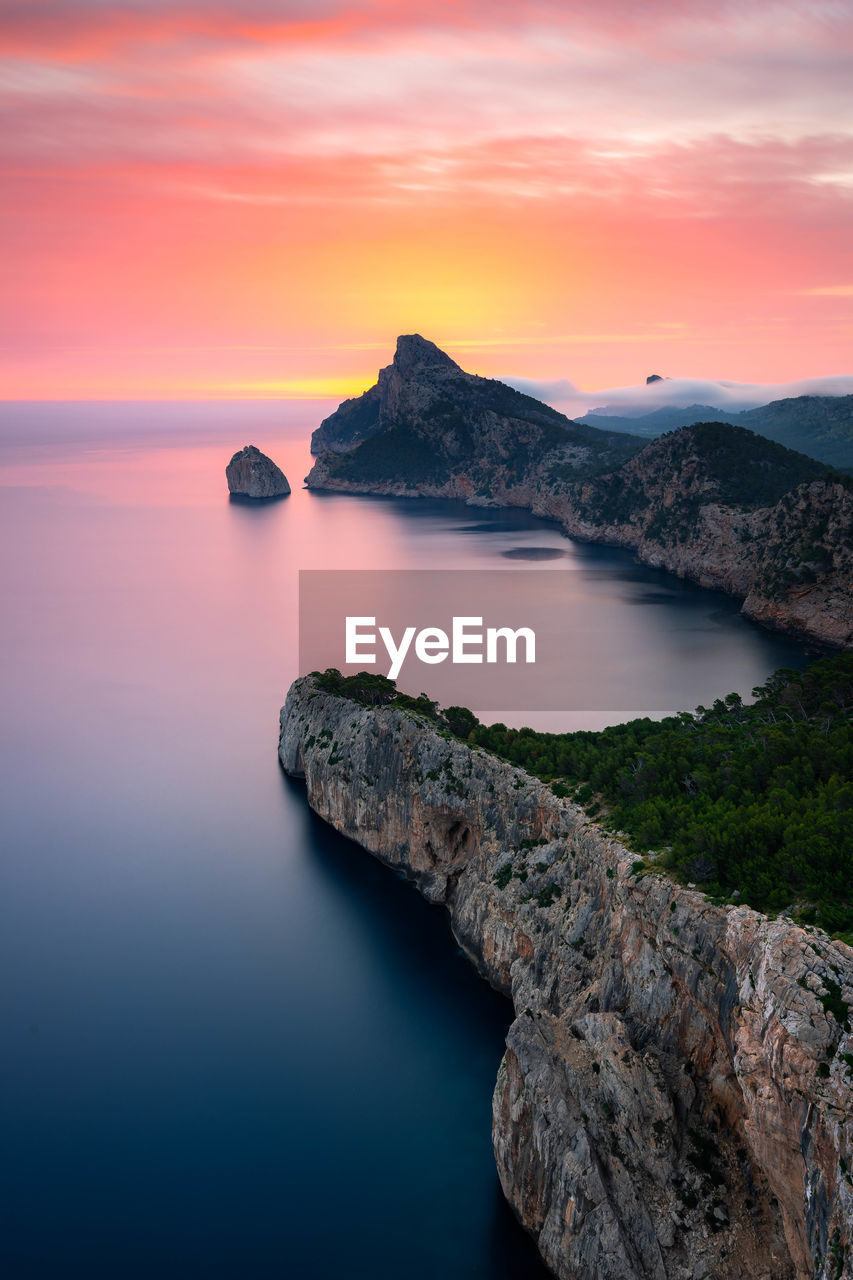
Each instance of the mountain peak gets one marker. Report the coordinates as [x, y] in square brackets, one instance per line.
[414, 352]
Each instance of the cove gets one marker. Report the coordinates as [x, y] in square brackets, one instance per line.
[232, 1044]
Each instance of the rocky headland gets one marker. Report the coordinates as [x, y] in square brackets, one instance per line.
[429, 427]
[733, 512]
[676, 1095]
[712, 502]
[251, 474]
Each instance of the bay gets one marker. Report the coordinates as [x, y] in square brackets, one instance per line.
[231, 1044]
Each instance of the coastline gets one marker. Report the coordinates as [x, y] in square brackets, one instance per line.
[726, 552]
[674, 1089]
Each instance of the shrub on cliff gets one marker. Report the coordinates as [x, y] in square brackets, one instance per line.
[364, 687]
[754, 799]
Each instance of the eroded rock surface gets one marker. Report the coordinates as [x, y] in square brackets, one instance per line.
[676, 1096]
[790, 559]
[251, 474]
[427, 426]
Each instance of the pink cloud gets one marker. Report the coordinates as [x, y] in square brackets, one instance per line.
[669, 161]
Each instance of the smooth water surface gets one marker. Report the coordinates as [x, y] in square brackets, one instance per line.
[233, 1045]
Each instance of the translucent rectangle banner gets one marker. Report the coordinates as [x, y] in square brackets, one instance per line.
[515, 639]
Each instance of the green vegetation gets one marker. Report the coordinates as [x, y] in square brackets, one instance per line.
[503, 875]
[368, 689]
[467, 398]
[810, 536]
[454, 431]
[548, 896]
[821, 426]
[835, 1005]
[745, 469]
[735, 467]
[752, 802]
[395, 454]
[749, 800]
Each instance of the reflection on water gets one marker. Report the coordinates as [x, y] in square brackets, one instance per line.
[233, 1043]
[534, 553]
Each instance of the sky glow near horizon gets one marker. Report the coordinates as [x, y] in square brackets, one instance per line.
[213, 199]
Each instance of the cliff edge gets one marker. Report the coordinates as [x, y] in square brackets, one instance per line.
[677, 1086]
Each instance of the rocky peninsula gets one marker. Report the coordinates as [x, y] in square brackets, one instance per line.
[251, 474]
[676, 1095]
[723, 507]
[429, 427]
[712, 502]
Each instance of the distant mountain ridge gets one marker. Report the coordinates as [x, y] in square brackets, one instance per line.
[651, 425]
[820, 426]
[712, 501]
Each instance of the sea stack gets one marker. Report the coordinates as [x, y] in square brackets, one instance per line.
[251, 474]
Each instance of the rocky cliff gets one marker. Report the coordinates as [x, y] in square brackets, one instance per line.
[719, 505]
[804, 578]
[676, 1096]
[251, 474]
[712, 502]
[428, 427]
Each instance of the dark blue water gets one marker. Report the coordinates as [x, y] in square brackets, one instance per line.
[232, 1044]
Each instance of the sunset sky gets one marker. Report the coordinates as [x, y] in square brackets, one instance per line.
[255, 198]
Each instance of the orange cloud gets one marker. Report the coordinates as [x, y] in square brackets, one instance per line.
[204, 196]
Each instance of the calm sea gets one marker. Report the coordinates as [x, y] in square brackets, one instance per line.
[232, 1044]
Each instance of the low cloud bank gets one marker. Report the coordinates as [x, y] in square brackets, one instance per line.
[677, 393]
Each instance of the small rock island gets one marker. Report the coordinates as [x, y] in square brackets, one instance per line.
[251, 474]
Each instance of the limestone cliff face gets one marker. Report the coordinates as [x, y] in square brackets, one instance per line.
[395, 389]
[429, 427]
[676, 1097]
[804, 581]
[791, 560]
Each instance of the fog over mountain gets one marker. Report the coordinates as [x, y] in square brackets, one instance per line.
[642, 398]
